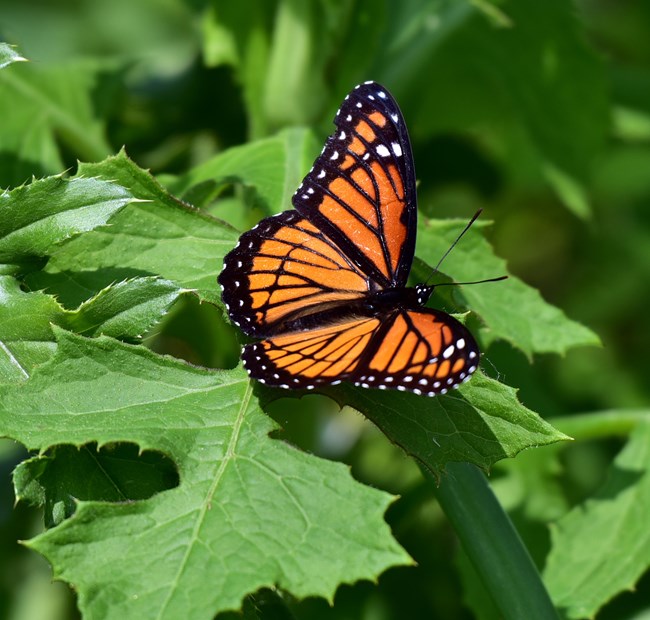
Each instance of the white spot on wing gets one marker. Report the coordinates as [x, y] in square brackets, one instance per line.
[382, 151]
[397, 149]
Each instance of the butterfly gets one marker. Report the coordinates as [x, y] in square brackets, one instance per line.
[324, 285]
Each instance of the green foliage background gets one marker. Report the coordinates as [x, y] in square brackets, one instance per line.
[537, 112]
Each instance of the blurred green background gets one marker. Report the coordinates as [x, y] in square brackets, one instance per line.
[537, 112]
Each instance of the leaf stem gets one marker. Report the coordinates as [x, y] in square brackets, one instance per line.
[492, 543]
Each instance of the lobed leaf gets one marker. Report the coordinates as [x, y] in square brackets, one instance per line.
[37, 216]
[511, 310]
[481, 423]
[244, 516]
[582, 576]
[162, 236]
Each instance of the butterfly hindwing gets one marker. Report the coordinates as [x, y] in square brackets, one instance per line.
[304, 359]
[423, 351]
[361, 189]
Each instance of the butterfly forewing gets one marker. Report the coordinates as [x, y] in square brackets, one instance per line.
[361, 189]
[283, 269]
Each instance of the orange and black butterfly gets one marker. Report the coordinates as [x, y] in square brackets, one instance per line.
[324, 285]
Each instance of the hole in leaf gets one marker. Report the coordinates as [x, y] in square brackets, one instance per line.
[116, 472]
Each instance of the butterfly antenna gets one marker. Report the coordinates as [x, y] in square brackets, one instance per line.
[451, 247]
[497, 279]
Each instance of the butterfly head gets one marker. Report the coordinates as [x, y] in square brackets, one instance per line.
[423, 293]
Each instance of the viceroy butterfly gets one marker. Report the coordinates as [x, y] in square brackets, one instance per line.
[324, 284]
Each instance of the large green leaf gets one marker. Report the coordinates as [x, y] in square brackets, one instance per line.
[35, 217]
[581, 575]
[511, 309]
[124, 310]
[158, 236]
[249, 511]
[481, 423]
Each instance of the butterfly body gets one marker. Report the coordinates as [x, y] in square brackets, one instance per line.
[324, 285]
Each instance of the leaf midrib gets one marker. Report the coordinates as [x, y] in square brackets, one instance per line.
[230, 451]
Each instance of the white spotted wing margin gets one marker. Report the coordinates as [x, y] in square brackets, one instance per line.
[421, 351]
[371, 138]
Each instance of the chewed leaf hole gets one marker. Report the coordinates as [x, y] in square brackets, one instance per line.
[116, 472]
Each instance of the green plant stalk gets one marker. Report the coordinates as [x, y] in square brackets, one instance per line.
[492, 543]
[612, 423]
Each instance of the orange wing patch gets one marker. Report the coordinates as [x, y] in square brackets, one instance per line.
[308, 358]
[286, 268]
[362, 188]
[424, 351]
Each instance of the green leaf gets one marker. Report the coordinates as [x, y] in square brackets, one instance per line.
[511, 310]
[26, 337]
[273, 167]
[481, 423]
[114, 473]
[537, 77]
[37, 216]
[124, 310]
[8, 55]
[245, 515]
[42, 106]
[583, 576]
[162, 236]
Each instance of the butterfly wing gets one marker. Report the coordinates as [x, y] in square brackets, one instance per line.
[304, 359]
[361, 190]
[353, 230]
[423, 351]
[283, 269]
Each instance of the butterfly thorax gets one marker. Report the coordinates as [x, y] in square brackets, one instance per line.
[408, 298]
